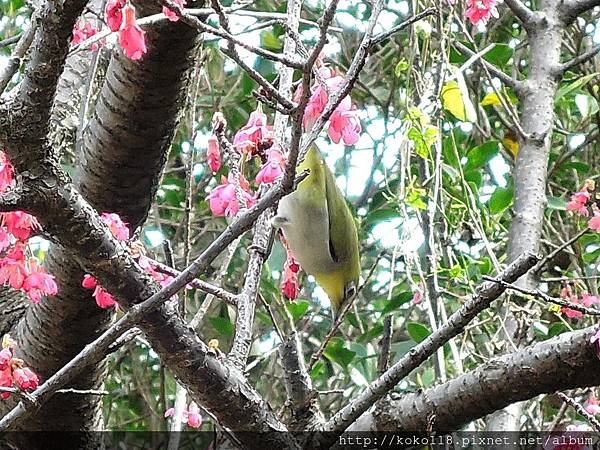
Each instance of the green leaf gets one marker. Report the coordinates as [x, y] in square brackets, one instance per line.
[397, 301]
[378, 216]
[418, 332]
[501, 199]
[222, 325]
[401, 67]
[414, 200]
[556, 328]
[270, 41]
[557, 203]
[481, 155]
[575, 85]
[297, 308]
[336, 352]
[371, 333]
[474, 177]
[499, 55]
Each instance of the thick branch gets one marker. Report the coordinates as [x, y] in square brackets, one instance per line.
[485, 295]
[565, 362]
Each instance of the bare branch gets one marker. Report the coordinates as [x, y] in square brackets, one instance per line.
[581, 59]
[398, 28]
[484, 296]
[581, 410]
[523, 13]
[23, 44]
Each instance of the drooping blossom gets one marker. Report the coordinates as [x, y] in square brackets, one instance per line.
[591, 405]
[213, 154]
[7, 173]
[170, 14]
[161, 278]
[290, 286]
[273, 168]
[223, 200]
[20, 224]
[13, 269]
[103, 298]
[255, 135]
[114, 14]
[13, 372]
[191, 416]
[344, 123]
[480, 11]
[577, 202]
[418, 294]
[117, 227]
[84, 30]
[594, 222]
[25, 379]
[131, 37]
[38, 282]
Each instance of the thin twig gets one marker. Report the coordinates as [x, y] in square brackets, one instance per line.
[581, 410]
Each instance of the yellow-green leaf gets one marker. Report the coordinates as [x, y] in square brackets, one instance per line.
[456, 100]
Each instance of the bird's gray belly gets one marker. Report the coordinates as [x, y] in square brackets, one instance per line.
[306, 230]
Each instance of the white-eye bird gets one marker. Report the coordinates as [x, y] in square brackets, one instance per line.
[321, 231]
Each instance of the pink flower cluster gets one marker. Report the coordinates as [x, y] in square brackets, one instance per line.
[119, 230]
[13, 372]
[84, 30]
[480, 11]
[344, 123]
[290, 286]
[586, 300]
[579, 203]
[16, 269]
[120, 16]
[223, 201]
[255, 136]
[191, 416]
[591, 405]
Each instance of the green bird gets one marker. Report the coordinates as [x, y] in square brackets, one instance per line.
[321, 231]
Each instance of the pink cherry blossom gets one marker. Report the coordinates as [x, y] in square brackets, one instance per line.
[5, 356]
[114, 14]
[13, 270]
[223, 200]
[6, 380]
[344, 125]
[577, 202]
[89, 282]
[117, 227]
[588, 300]
[84, 30]
[170, 14]
[7, 173]
[103, 299]
[591, 405]
[20, 224]
[191, 416]
[571, 313]
[131, 37]
[272, 169]
[256, 134]
[26, 379]
[194, 419]
[290, 286]
[213, 155]
[594, 222]
[38, 283]
[480, 11]
[418, 294]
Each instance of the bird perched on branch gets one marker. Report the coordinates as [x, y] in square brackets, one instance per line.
[321, 231]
